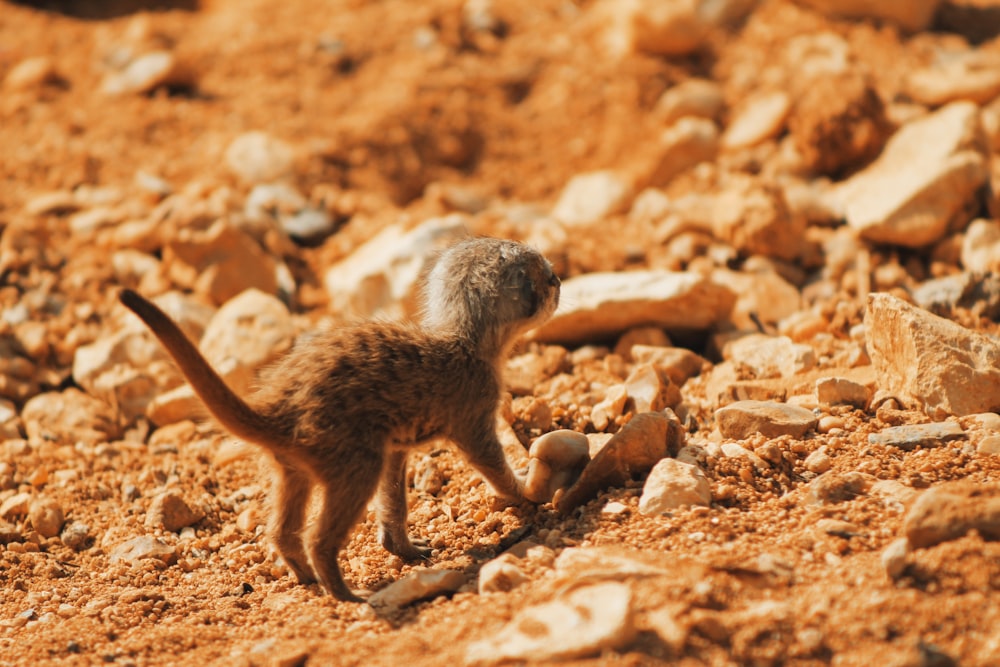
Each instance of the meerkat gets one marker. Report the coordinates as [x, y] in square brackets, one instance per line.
[340, 409]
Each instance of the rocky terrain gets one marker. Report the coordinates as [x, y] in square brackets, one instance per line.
[777, 358]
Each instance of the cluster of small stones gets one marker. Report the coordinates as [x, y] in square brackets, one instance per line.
[784, 274]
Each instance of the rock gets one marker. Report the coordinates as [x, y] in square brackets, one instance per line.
[950, 510]
[556, 460]
[972, 76]
[31, 73]
[910, 436]
[140, 548]
[893, 557]
[831, 488]
[591, 197]
[609, 409]
[759, 118]
[170, 510]
[929, 362]
[753, 217]
[46, 516]
[9, 533]
[770, 356]
[767, 295]
[157, 69]
[273, 200]
[380, 277]
[650, 389]
[679, 363]
[76, 535]
[672, 484]
[736, 451]
[910, 15]
[220, 262]
[926, 180]
[501, 574]
[619, 564]
[981, 246]
[253, 328]
[686, 143]
[664, 29]
[59, 202]
[418, 585]
[841, 391]
[603, 305]
[633, 451]
[257, 157]
[989, 445]
[15, 506]
[701, 98]
[742, 419]
[818, 461]
[130, 368]
[580, 623]
[649, 336]
[69, 417]
[839, 123]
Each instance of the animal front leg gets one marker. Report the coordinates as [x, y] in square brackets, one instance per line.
[485, 453]
[392, 510]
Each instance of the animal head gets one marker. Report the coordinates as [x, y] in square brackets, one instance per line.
[490, 289]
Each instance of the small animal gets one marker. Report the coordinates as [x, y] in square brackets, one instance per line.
[338, 412]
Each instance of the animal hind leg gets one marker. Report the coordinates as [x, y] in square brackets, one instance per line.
[290, 498]
[346, 490]
[392, 510]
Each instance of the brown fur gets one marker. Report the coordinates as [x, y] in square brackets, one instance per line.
[338, 410]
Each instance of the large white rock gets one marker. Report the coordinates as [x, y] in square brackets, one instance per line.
[590, 197]
[770, 356]
[583, 622]
[380, 277]
[672, 484]
[247, 332]
[257, 157]
[929, 362]
[911, 15]
[927, 179]
[596, 306]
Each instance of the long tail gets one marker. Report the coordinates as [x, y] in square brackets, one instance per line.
[229, 409]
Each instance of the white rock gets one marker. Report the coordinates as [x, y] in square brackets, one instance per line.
[253, 328]
[926, 179]
[257, 157]
[930, 362]
[142, 548]
[583, 622]
[46, 516]
[661, 28]
[609, 409]
[272, 199]
[146, 73]
[602, 305]
[911, 15]
[771, 356]
[742, 419]
[380, 277]
[31, 73]
[973, 76]
[818, 461]
[759, 118]
[893, 557]
[590, 197]
[650, 389]
[701, 98]
[172, 512]
[418, 585]
[981, 246]
[672, 484]
[679, 363]
[841, 391]
[68, 417]
[683, 145]
[220, 262]
[500, 575]
[15, 506]
[556, 461]
[130, 367]
[765, 293]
